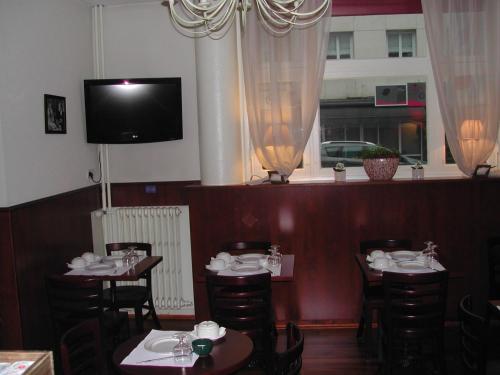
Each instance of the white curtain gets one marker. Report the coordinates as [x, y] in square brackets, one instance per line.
[283, 76]
[464, 37]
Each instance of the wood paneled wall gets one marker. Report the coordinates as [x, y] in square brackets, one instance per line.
[45, 234]
[322, 225]
[10, 320]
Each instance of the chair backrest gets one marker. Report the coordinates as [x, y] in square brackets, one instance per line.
[289, 362]
[367, 245]
[72, 301]
[494, 267]
[240, 247]
[242, 303]
[141, 248]
[414, 304]
[81, 350]
[473, 338]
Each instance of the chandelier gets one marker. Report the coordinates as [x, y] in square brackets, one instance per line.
[199, 18]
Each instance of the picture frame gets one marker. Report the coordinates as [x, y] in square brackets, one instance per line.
[55, 114]
[482, 170]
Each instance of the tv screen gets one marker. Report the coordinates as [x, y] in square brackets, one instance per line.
[136, 110]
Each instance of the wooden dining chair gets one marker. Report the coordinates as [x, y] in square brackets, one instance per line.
[473, 334]
[137, 297]
[243, 303]
[241, 247]
[373, 296]
[73, 300]
[493, 245]
[289, 361]
[413, 320]
[81, 350]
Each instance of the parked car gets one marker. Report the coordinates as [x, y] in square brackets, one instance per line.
[349, 153]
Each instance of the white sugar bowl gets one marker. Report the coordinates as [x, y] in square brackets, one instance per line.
[224, 256]
[88, 257]
[209, 330]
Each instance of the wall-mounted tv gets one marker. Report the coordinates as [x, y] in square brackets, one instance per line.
[135, 110]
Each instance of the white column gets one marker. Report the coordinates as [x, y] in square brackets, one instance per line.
[218, 110]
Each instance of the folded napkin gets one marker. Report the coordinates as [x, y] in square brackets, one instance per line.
[140, 354]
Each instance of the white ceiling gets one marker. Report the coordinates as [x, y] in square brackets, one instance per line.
[117, 2]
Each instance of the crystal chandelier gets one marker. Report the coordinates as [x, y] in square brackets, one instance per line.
[204, 17]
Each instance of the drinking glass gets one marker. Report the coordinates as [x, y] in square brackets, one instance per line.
[274, 260]
[134, 257]
[182, 350]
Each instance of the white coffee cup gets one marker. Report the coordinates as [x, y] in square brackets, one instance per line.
[209, 330]
[377, 254]
[224, 256]
[78, 262]
[217, 264]
[381, 262]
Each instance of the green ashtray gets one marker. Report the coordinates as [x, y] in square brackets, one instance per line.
[202, 347]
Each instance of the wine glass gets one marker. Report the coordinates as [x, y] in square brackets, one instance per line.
[182, 350]
[274, 260]
[134, 257]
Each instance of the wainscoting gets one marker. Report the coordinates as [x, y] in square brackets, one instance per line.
[44, 235]
[321, 223]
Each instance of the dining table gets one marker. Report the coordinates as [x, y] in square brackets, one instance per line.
[285, 274]
[373, 276]
[125, 273]
[228, 355]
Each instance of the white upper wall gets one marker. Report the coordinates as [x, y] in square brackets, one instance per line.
[45, 48]
[139, 41]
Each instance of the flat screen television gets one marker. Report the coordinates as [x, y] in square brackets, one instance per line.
[135, 110]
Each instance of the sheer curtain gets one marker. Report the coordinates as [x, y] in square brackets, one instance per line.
[463, 37]
[283, 76]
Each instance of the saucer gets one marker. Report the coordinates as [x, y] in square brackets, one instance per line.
[73, 267]
[210, 268]
[378, 268]
[215, 340]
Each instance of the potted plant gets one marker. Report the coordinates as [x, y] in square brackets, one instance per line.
[339, 172]
[380, 163]
[417, 171]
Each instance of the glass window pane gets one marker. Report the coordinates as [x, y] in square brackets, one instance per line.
[350, 121]
[332, 47]
[393, 44]
[345, 45]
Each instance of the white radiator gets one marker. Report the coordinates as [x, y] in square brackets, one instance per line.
[167, 230]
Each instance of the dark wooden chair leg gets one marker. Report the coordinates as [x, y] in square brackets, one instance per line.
[361, 326]
[139, 321]
[153, 313]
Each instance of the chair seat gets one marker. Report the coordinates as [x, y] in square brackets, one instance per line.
[126, 296]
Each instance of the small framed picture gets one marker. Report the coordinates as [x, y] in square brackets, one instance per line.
[55, 114]
[482, 170]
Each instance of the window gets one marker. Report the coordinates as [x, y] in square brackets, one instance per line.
[340, 46]
[350, 122]
[401, 43]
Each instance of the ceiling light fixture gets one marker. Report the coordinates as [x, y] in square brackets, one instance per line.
[199, 18]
